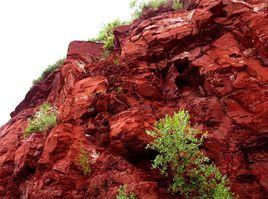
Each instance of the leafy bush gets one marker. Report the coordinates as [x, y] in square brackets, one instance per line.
[122, 194]
[83, 161]
[155, 4]
[44, 119]
[48, 70]
[106, 34]
[194, 175]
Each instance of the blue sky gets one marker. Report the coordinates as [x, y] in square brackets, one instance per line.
[36, 33]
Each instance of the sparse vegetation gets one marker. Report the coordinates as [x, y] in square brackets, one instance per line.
[139, 7]
[122, 194]
[43, 119]
[48, 70]
[156, 4]
[194, 175]
[83, 161]
[177, 4]
[106, 35]
[119, 89]
[117, 61]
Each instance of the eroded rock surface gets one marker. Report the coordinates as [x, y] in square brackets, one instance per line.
[210, 59]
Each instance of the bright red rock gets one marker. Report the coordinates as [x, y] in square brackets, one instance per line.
[210, 59]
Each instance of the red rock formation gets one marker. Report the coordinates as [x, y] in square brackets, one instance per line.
[210, 59]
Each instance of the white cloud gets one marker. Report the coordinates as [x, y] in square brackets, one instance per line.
[35, 33]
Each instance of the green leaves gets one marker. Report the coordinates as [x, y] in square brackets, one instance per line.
[177, 4]
[155, 4]
[83, 161]
[122, 194]
[48, 70]
[44, 119]
[177, 144]
[106, 34]
[138, 8]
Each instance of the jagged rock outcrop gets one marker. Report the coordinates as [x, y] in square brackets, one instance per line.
[210, 59]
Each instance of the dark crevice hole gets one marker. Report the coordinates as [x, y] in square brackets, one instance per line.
[24, 173]
[189, 74]
[141, 157]
[181, 65]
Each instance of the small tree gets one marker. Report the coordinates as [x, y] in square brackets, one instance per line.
[43, 119]
[194, 175]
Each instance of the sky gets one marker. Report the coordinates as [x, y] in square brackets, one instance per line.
[36, 33]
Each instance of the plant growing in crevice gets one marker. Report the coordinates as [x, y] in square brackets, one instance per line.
[48, 70]
[43, 119]
[122, 193]
[177, 4]
[194, 175]
[118, 89]
[138, 7]
[83, 160]
[116, 61]
[106, 35]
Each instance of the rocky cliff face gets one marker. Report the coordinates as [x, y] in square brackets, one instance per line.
[210, 59]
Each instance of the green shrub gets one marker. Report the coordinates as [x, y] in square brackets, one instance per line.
[194, 175]
[122, 194]
[43, 119]
[106, 34]
[48, 70]
[155, 4]
[83, 161]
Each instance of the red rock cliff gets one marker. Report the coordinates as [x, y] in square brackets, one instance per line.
[210, 59]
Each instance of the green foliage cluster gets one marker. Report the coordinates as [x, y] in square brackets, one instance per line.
[48, 70]
[122, 194]
[194, 175]
[177, 4]
[106, 34]
[83, 161]
[156, 4]
[43, 119]
[139, 7]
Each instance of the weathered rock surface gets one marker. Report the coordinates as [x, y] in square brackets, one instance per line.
[210, 59]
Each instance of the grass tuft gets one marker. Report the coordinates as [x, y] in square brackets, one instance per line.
[48, 70]
[83, 161]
